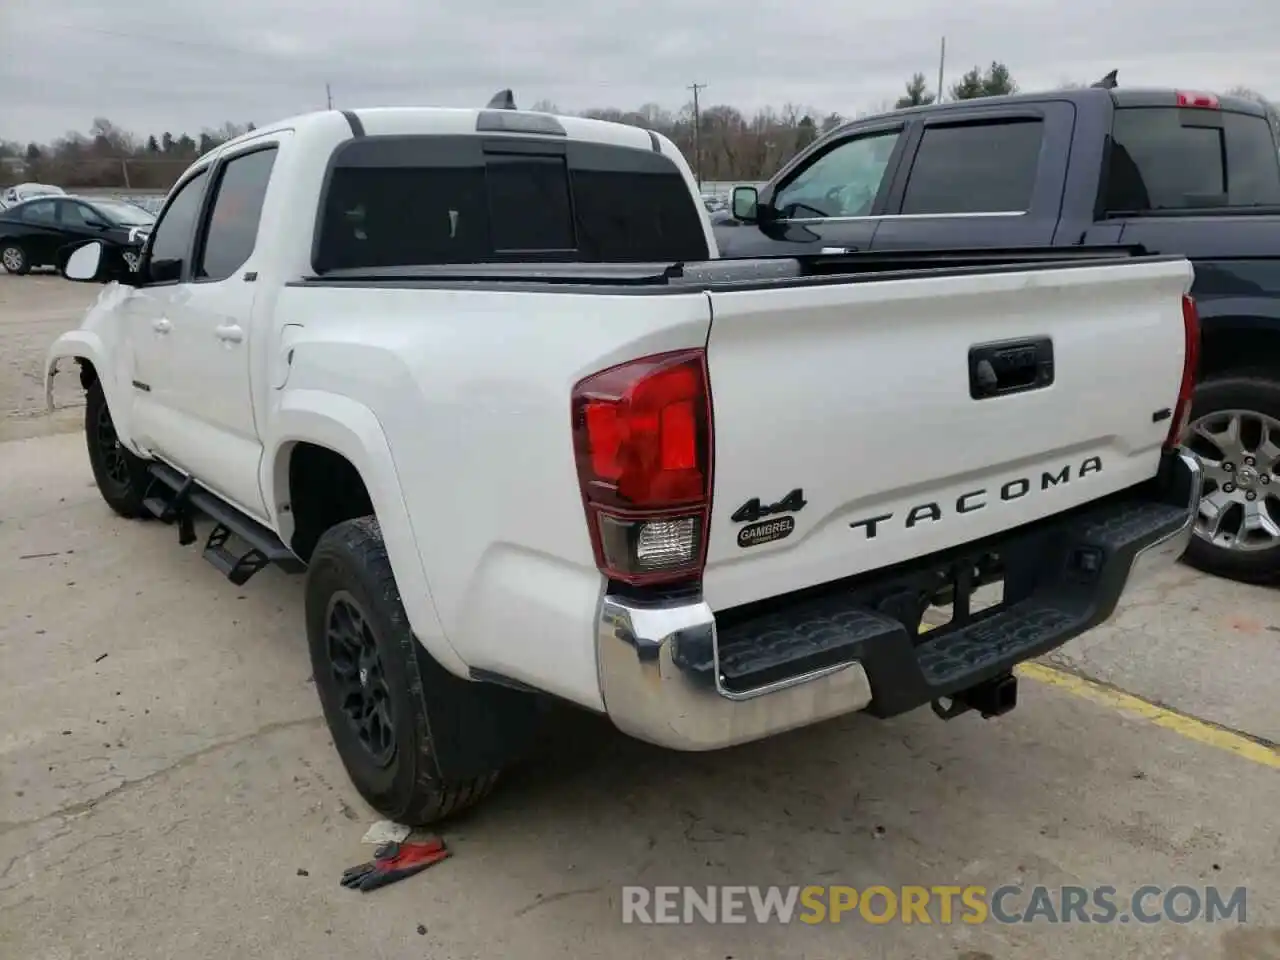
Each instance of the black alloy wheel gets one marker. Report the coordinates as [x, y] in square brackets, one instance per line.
[358, 677]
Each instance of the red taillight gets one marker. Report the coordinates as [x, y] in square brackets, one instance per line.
[1188, 99]
[642, 437]
[1190, 368]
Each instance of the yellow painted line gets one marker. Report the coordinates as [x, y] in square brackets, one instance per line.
[1188, 727]
[1179, 723]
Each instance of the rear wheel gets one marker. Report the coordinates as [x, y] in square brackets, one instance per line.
[121, 475]
[1235, 433]
[419, 743]
[15, 259]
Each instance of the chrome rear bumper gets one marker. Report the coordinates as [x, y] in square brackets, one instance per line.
[650, 696]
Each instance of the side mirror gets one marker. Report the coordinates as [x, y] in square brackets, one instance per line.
[746, 202]
[94, 262]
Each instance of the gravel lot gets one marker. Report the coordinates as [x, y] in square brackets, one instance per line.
[167, 787]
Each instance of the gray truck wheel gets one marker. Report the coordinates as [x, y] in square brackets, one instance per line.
[1235, 432]
[120, 474]
[418, 743]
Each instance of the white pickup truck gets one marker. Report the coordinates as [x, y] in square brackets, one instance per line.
[480, 374]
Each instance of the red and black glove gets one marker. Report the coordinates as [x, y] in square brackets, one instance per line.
[392, 862]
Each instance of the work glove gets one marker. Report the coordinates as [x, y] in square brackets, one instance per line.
[392, 862]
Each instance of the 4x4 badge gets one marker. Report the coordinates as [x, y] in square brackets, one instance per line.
[753, 510]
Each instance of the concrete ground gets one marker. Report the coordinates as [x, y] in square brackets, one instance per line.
[168, 788]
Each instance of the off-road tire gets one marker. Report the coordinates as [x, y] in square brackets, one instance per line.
[121, 475]
[451, 736]
[15, 259]
[1253, 391]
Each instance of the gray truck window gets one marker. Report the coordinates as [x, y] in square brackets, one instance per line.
[975, 168]
[233, 221]
[1162, 160]
[843, 182]
[176, 228]
[506, 207]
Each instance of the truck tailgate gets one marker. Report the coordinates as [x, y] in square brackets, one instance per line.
[859, 395]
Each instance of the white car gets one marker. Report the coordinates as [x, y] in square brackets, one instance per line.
[480, 375]
[29, 191]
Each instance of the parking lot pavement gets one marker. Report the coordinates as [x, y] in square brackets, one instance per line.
[165, 780]
[167, 787]
[33, 311]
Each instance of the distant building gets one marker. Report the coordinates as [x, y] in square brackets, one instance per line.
[12, 169]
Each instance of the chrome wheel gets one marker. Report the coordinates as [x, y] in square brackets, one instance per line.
[1239, 451]
[131, 261]
[12, 259]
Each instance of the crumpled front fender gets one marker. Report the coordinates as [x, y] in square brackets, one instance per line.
[97, 341]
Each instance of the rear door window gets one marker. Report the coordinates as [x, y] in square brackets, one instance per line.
[232, 232]
[40, 212]
[1165, 158]
[974, 168]
[422, 201]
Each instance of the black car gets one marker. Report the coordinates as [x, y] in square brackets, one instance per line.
[35, 233]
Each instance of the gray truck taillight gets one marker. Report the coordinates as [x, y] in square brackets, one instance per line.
[642, 437]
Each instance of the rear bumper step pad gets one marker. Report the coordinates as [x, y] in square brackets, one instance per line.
[1062, 576]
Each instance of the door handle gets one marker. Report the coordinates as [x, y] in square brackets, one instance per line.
[161, 326]
[836, 251]
[229, 333]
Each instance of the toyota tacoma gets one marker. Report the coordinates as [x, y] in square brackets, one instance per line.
[481, 376]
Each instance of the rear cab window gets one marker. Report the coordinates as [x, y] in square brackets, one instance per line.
[1167, 158]
[432, 200]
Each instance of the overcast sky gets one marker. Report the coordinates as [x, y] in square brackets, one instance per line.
[156, 65]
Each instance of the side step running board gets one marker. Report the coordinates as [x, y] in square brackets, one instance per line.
[174, 498]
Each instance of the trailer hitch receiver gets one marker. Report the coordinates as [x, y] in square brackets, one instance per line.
[991, 698]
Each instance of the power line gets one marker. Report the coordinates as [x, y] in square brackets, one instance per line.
[150, 38]
[697, 133]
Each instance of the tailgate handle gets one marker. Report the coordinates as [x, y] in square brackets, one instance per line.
[1010, 366]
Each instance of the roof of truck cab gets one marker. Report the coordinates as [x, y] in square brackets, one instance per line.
[1083, 96]
[407, 121]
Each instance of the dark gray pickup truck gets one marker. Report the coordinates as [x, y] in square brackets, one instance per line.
[1162, 171]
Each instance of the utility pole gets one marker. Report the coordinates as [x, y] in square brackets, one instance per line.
[697, 133]
[942, 62]
[328, 96]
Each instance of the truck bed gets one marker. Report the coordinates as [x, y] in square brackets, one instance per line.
[845, 377]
